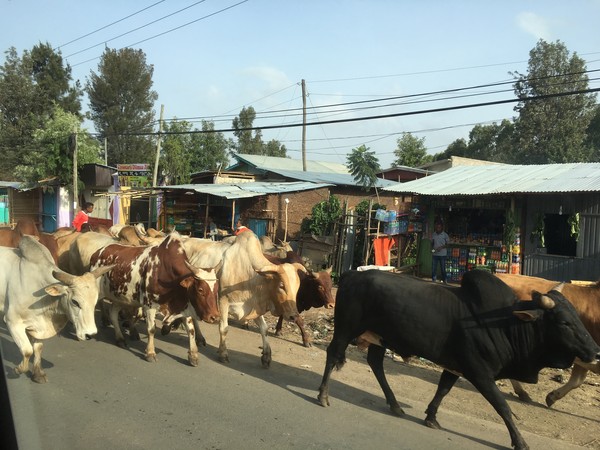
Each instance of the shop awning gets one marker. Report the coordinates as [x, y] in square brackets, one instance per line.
[232, 191]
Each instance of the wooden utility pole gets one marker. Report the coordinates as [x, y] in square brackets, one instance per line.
[160, 128]
[151, 199]
[75, 190]
[303, 125]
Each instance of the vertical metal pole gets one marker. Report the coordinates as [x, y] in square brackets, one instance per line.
[75, 190]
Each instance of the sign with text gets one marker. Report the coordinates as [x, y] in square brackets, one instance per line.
[135, 175]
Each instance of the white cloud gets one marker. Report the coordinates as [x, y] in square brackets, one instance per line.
[535, 25]
[274, 78]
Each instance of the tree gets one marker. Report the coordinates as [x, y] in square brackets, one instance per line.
[175, 161]
[121, 102]
[593, 135]
[251, 143]
[364, 166]
[51, 150]
[457, 148]
[411, 152]
[209, 149]
[30, 88]
[248, 143]
[552, 130]
[53, 80]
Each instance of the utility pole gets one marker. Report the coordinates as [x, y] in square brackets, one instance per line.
[303, 125]
[75, 190]
[160, 128]
[156, 160]
[106, 151]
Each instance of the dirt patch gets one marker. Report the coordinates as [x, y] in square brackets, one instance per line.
[574, 419]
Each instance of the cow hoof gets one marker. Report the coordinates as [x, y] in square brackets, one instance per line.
[166, 329]
[307, 344]
[265, 363]
[323, 400]
[397, 410]
[151, 357]
[550, 399]
[122, 344]
[224, 358]
[432, 423]
[41, 378]
[193, 359]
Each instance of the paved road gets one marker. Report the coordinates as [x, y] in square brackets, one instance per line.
[102, 397]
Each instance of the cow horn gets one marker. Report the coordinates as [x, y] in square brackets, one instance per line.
[64, 277]
[269, 268]
[558, 287]
[98, 272]
[546, 302]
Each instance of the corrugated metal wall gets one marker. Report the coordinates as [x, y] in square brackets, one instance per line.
[586, 265]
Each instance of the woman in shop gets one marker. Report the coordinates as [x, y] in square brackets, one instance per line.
[439, 241]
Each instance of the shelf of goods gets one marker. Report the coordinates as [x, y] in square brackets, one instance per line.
[475, 255]
[184, 217]
[400, 222]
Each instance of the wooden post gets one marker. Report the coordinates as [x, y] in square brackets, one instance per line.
[75, 187]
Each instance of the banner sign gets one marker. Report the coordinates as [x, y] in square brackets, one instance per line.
[135, 175]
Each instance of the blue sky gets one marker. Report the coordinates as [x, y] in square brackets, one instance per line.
[228, 54]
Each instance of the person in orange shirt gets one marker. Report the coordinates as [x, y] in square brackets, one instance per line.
[240, 227]
[83, 215]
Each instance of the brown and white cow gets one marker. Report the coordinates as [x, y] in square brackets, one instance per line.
[585, 300]
[37, 300]
[155, 277]
[314, 292]
[250, 286]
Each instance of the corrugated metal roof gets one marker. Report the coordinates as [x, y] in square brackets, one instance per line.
[233, 191]
[273, 163]
[10, 184]
[506, 179]
[338, 179]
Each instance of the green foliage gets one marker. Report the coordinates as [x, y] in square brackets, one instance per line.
[538, 230]
[573, 222]
[31, 86]
[553, 130]
[209, 149]
[411, 152]
[121, 102]
[324, 217]
[51, 151]
[252, 144]
[364, 166]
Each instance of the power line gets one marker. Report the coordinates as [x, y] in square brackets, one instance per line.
[381, 116]
[109, 25]
[171, 30]
[136, 29]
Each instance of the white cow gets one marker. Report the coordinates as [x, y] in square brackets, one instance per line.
[36, 307]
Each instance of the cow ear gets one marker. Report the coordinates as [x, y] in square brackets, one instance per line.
[187, 282]
[270, 275]
[329, 269]
[528, 316]
[55, 290]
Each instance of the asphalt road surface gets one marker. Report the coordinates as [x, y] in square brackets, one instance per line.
[99, 396]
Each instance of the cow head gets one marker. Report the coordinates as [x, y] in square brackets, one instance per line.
[283, 285]
[565, 335]
[201, 292]
[77, 299]
[315, 291]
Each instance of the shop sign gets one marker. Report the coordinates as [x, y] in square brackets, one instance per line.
[135, 175]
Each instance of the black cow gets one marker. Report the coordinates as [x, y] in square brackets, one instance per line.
[478, 330]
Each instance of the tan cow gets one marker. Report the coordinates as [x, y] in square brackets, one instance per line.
[250, 286]
[585, 300]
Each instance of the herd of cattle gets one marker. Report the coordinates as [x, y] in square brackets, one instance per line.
[488, 328]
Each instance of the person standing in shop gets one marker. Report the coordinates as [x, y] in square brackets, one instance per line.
[439, 241]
